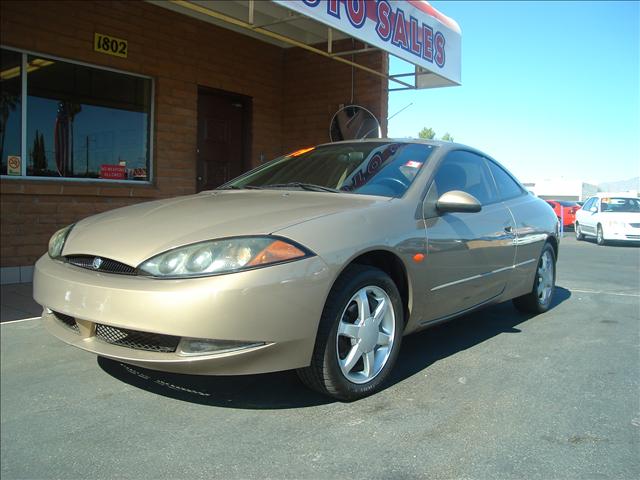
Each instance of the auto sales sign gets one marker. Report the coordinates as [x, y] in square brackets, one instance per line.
[412, 30]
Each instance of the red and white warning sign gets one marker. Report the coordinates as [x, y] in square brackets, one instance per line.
[14, 165]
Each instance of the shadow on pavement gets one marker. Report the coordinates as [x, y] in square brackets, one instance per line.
[613, 243]
[267, 391]
[428, 346]
[283, 389]
[17, 303]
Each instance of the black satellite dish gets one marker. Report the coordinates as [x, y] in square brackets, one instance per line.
[354, 122]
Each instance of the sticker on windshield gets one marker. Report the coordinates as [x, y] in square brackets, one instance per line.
[413, 164]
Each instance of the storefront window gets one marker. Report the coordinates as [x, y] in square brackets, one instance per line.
[85, 122]
[11, 112]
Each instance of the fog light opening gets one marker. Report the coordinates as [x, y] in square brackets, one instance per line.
[202, 346]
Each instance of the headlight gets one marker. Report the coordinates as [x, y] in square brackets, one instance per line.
[222, 256]
[57, 242]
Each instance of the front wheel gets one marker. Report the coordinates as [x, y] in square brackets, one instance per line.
[579, 234]
[358, 337]
[539, 299]
[600, 236]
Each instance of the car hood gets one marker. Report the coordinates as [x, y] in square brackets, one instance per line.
[627, 217]
[133, 234]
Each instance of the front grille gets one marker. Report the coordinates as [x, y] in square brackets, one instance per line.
[105, 265]
[68, 321]
[635, 225]
[153, 342]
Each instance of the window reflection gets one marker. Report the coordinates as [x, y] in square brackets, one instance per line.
[10, 108]
[85, 122]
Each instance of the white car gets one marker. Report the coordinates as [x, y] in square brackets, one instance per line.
[609, 218]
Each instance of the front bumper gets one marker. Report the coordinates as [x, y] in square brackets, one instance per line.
[621, 234]
[278, 307]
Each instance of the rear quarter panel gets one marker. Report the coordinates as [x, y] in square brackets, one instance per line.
[535, 223]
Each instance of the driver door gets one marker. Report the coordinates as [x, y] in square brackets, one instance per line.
[469, 255]
[588, 219]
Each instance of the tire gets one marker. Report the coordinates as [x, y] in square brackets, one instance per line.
[579, 234]
[600, 236]
[355, 352]
[540, 298]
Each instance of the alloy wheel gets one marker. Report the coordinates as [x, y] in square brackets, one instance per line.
[365, 335]
[545, 278]
[599, 236]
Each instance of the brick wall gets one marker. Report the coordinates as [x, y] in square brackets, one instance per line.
[180, 53]
[316, 86]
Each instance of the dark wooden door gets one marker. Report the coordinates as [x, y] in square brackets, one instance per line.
[221, 138]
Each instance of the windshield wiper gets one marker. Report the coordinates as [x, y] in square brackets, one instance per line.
[304, 186]
[237, 187]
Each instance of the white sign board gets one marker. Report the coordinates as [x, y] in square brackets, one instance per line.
[410, 29]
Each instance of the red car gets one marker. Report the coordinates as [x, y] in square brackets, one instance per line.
[565, 210]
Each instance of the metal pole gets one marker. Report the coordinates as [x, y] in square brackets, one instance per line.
[24, 156]
[86, 172]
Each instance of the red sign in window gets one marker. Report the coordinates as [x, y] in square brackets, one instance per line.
[113, 172]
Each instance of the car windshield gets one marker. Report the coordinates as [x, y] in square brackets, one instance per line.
[620, 204]
[367, 168]
[568, 204]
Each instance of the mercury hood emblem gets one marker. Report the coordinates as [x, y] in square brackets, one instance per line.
[97, 262]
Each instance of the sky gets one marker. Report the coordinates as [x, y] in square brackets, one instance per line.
[549, 89]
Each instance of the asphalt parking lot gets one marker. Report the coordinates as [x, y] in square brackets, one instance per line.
[495, 394]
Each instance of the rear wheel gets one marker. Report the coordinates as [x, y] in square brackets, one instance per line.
[600, 236]
[358, 337]
[579, 234]
[540, 297]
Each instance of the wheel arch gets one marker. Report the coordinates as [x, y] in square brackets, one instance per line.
[553, 241]
[392, 265]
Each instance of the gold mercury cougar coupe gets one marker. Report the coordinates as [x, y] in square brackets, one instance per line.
[320, 261]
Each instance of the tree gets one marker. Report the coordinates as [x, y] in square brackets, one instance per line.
[72, 109]
[8, 104]
[427, 133]
[38, 153]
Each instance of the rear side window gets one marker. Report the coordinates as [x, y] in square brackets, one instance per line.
[467, 172]
[507, 187]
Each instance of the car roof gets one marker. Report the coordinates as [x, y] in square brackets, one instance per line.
[441, 144]
[614, 194]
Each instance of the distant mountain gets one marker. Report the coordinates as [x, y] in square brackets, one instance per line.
[621, 185]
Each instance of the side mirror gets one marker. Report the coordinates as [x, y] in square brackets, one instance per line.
[593, 209]
[458, 201]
